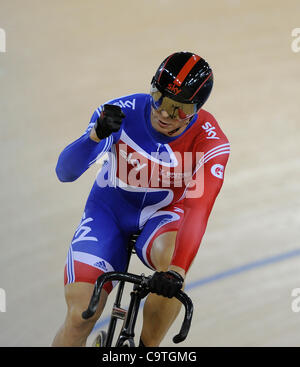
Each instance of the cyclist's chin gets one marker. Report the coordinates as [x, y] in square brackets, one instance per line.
[162, 126]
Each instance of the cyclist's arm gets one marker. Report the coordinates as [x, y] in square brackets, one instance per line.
[197, 211]
[76, 158]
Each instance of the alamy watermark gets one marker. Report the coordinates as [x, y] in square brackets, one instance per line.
[2, 40]
[295, 45]
[296, 300]
[155, 170]
[2, 300]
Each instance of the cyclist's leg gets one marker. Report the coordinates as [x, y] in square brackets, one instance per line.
[98, 246]
[155, 247]
[75, 330]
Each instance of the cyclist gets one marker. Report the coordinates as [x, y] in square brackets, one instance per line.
[165, 165]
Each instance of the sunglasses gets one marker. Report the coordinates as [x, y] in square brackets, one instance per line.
[175, 110]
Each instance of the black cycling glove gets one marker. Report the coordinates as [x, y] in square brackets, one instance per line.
[109, 121]
[166, 284]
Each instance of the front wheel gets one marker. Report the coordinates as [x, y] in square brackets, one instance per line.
[100, 340]
[127, 343]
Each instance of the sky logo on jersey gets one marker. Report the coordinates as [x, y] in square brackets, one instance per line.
[217, 170]
[209, 129]
[126, 104]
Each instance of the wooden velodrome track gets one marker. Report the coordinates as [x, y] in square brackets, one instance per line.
[63, 59]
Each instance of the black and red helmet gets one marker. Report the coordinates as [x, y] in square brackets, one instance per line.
[184, 77]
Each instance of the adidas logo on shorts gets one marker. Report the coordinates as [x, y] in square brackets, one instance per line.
[101, 265]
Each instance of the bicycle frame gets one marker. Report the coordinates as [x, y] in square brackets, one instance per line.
[120, 313]
[127, 331]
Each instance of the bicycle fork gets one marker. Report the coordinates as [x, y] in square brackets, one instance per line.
[127, 331]
[129, 316]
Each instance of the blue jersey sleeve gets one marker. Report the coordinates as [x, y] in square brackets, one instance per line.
[78, 156]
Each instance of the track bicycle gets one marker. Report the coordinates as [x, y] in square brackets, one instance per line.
[129, 317]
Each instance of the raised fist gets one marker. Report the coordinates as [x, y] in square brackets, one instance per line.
[109, 121]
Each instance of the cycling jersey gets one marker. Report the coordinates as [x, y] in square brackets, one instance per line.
[149, 182]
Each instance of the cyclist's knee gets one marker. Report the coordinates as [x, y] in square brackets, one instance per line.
[78, 325]
[162, 250]
[78, 297]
